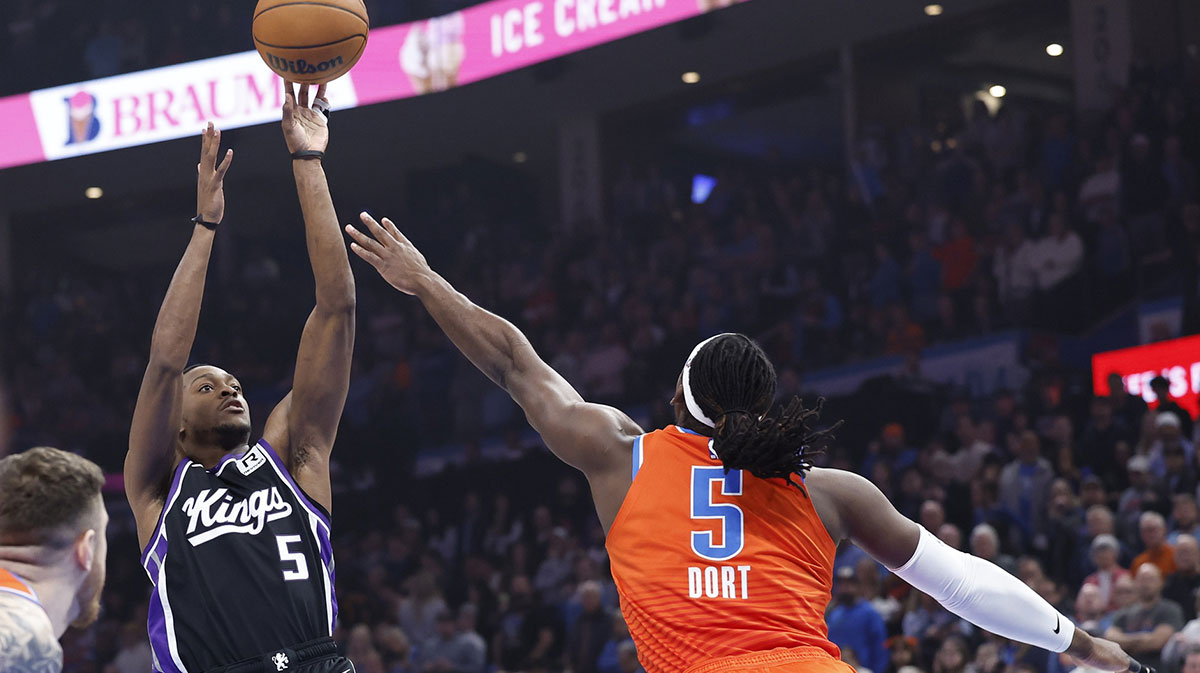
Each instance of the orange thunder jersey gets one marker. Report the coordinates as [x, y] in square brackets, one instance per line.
[712, 565]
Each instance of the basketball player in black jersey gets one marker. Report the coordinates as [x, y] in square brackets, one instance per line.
[236, 537]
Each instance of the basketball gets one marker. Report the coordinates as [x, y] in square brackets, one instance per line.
[310, 42]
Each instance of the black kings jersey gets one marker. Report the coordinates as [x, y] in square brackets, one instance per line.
[241, 564]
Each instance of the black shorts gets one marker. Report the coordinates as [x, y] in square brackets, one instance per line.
[316, 656]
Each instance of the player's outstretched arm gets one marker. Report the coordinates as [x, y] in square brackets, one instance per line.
[155, 427]
[322, 376]
[976, 590]
[591, 437]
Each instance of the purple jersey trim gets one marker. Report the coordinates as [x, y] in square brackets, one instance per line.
[156, 622]
[162, 516]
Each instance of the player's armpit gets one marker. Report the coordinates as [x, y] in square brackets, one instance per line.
[27, 643]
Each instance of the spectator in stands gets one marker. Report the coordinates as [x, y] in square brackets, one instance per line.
[359, 644]
[854, 624]
[1102, 189]
[448, 651]
[985, 544]
[1065, 520]
[1124, 596]
[902, 652]
[1168, 435]
[395, 650]
[557, 566]
[890, 449]
[987, 659]
[1178, 475]
[627, 659]
[958, 257]
[1105, 549]
[1058, 255]
[1143, 493]
[1092, 492]
[1167, 404]
[528, 635]
[1153, 530]
[928, 622]
[1089, 616]
[1089, 610]
[1013, 266]
[1143, 196]
[1144, 628]
[135, 655]
[951, 535]
[873, 590]
[952, 657]
[1096, 452]
[609, 659]
[1025, 486]
[1128, 407]
[418, 611]
[591, 631]
[1181, 585]
[932, 516]
[1184, 646]
[1185, 516]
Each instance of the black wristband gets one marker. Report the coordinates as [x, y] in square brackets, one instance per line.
[309, 154]
[199, 219]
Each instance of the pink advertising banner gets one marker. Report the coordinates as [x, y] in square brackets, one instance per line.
[399, 62]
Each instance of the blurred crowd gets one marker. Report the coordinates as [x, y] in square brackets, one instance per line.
[51, 42]
[972, 223]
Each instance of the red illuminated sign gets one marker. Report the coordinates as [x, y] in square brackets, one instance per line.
[1177, 360]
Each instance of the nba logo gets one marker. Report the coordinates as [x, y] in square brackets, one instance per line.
[82, 124]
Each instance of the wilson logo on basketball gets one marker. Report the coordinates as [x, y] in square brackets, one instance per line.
[301, 66]
[214, 513]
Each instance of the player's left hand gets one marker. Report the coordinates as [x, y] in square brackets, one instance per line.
[210, 176]
[391, 253]
[304, 128]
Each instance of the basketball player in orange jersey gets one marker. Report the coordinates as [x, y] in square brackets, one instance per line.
[720, 532]
[52, 554]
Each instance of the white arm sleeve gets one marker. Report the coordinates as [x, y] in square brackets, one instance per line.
[983, 594]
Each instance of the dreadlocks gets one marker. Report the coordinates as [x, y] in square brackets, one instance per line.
[734, 383]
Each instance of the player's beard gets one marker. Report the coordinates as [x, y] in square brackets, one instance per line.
[233, 435]
[88, 597]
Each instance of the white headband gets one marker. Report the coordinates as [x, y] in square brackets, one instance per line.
[690, 399]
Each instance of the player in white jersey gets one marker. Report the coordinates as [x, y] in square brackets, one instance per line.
[52, 554]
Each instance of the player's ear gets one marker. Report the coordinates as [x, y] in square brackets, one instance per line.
[85, 549]
[677, 398]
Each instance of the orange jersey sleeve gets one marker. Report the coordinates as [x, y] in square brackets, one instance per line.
[711, 564]
[11, 584]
